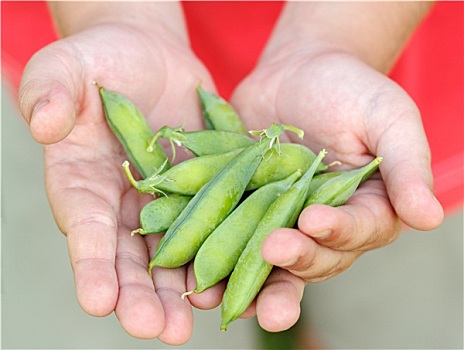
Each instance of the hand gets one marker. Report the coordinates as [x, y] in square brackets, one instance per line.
[321, 71]
[355, 113]
[92, 201]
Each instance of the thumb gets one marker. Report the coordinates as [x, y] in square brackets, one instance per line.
[406, 171]
[48, 94]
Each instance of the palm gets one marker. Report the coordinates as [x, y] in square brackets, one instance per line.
[334, 98]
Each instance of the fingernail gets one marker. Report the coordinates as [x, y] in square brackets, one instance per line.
[39, 105]
[436, 199]
[289, 262]
[322, 234]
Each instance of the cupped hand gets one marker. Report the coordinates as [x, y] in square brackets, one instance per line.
[92, 201]
[355, 113]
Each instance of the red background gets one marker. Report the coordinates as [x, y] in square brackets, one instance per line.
[228, 37]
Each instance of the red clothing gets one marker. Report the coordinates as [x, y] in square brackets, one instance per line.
[228, 37]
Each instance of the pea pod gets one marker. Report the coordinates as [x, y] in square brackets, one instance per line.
[185, 178]
[210, 206]
[280, 163]
[133, 132]
[203, 142]
[338, 190]
[251, 271]
[320, 179]
[189, 176]
[218, 114]
[219, 253]
[158, 215]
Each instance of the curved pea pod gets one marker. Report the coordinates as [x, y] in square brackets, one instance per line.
[185, 178]
[280, 164]
[209, 207]
[321, 178]
[338, 190]
[133, 132]
[158, 215]
[189, 176]
[251, 271]
[218, 114]
[204, 142]
[218, 255]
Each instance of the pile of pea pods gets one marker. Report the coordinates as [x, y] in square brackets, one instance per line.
[217, 207]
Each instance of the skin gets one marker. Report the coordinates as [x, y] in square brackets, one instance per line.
[319, 72]
[335, 86]
[93, 203]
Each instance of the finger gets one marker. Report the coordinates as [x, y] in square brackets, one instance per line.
[250, 311]
[139, 309]
[410, 188]
[406, 168]
[91, 235]
[170, 284]
[302, 256]
[48, 94]
[278, 303]
[367, 221]
[208, 299]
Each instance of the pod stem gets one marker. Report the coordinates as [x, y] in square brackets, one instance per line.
[274, 132]
[186, 294]
[139, 231]
[94, 82]
[150, 267]
[154, 139]
[129, 175]
[372, 166]
[297, 131]
[334, 163]
[174, 135]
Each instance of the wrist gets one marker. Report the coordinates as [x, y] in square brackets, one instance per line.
[157, 19]
[373, 32]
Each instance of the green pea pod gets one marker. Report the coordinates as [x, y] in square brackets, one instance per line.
[281, 163]
[321, 178]
[209, 207]
[218, 114]
[251, 271]
[189, 176]
[185, 178]
[219, 253]
[133, 132]
[158, 215]
[338, 190]
[203, 142]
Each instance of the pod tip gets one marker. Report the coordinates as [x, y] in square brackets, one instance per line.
[97, 84]
[139, 231]
[186, 294]
[334, 163]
